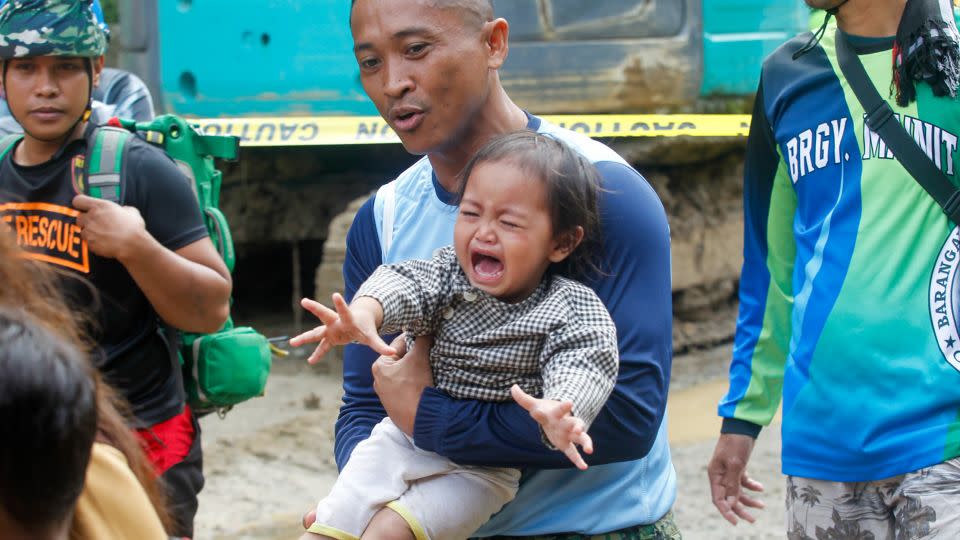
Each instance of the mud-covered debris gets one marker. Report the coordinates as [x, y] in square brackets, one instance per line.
[311, 402]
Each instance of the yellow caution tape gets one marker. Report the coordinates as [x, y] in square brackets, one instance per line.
[349, 130]
[278, 351]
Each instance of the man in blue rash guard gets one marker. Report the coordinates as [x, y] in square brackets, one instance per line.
[431, 68]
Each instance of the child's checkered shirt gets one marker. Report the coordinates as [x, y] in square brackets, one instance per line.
[559, 343]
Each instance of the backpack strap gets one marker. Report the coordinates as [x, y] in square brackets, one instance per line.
[8, 142]
[104, 174]
[880, 119]
[104, 163]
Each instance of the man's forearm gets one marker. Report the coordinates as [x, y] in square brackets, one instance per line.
[401, 383]
[402, 407]
[361, 409]
[186, 294]
[504, 435]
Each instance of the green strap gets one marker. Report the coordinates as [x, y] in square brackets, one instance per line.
[105, 163]
[220, 235]
[222, 147]
[8, 142]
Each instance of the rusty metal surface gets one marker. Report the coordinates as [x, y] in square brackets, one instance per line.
[566, 56]
[619, 56]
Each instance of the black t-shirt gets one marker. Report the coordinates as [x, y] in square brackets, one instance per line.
[36, 202]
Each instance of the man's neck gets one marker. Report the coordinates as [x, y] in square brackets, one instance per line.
[500, 116]
[871, 18]
[33, 151]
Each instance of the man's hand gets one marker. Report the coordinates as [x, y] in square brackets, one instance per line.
[345, 325]
[556, 419]
[727, 473]
[400, 383]
[111, 231]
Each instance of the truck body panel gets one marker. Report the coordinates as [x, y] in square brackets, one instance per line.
[294, 57]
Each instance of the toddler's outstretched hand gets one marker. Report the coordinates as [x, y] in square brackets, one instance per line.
[345, 325]
[563, 429]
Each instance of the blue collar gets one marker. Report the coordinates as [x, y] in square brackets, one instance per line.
[866, 45]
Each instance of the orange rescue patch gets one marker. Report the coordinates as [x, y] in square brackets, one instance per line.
[48, 232]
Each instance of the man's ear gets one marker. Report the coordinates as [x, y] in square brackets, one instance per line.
[564, 244]
[97, 69]
[496, 33]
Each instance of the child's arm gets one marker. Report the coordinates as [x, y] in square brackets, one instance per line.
[412, 292]
[577, 380]
[359, 322]
[580, 362]
[393, 297]
[561, 428]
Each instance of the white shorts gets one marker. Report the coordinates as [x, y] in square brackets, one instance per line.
[439, 499]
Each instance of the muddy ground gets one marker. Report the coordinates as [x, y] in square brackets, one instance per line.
[271, 458]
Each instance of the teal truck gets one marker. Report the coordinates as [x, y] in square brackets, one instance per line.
[283, 73]
[227, 58]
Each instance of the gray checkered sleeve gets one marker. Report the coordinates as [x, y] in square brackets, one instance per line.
[412, 292]
[581, 359]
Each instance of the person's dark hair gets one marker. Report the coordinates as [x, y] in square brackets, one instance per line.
[31, 287]
[572, 187]
[48, 414]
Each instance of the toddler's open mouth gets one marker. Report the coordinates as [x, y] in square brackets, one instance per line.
[486, 267]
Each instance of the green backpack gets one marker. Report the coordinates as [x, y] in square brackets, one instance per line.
[231, 365]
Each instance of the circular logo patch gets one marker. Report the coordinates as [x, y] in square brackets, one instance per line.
[945, 299]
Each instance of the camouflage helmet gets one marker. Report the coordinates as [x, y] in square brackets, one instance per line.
[50, 28]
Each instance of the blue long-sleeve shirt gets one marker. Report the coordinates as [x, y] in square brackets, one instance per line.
[635, 287]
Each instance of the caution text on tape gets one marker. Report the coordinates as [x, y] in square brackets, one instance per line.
[350, 130]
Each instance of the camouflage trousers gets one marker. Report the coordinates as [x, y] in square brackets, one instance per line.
[921, 504]
[664, 529]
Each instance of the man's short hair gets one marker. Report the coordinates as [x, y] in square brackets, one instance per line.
[480, 11]
[48, 415]
[475, 11]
